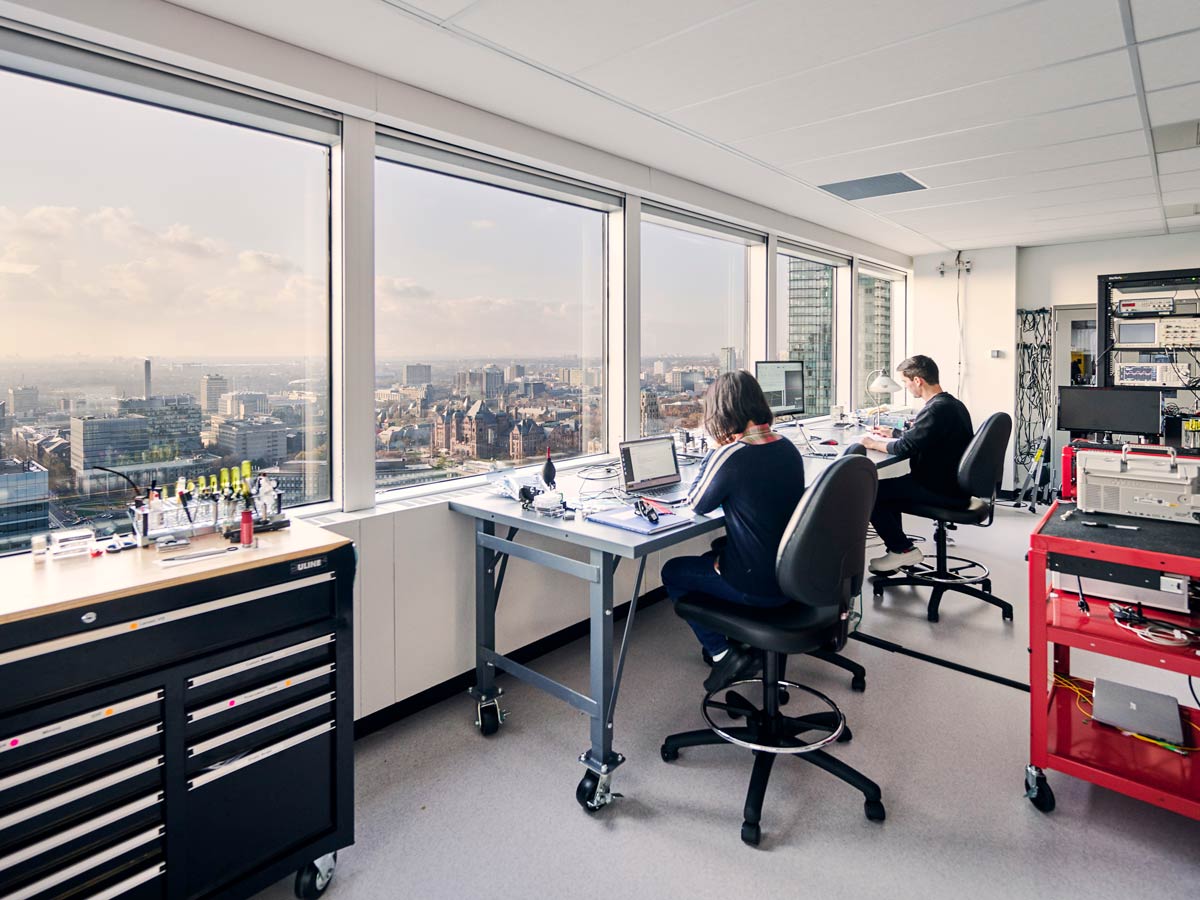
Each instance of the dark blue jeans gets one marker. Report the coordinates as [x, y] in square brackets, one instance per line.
[687, 574]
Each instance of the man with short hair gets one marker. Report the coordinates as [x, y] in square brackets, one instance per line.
[933, 443]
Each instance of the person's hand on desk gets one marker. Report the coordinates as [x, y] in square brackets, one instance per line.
[873, 443]
[884, 431]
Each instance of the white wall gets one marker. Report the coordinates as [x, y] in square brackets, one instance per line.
[988, 322]
[1065, 274]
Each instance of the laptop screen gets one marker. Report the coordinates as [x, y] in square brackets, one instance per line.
[649, 463]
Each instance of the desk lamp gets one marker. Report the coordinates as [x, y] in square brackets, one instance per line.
[882, 384]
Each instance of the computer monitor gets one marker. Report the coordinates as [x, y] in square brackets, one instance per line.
[782, 381]
[1110, 409]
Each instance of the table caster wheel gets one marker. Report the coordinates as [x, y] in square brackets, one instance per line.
[489, 718]
[846, 736]
[594, 791]
[313, 879]
[668, 754]
[1039, 792]
[751, 833]
[874, 810]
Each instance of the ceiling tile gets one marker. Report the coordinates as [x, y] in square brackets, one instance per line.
[1057, 156]
[1077, 176]
[1177, 104]
[1012, 211]
[787, 36]
[1000, 47]
[1180, 181]
[443, 9]
[1032, 132]
[1169, 62]
[1156, 18]
[1059, 88]
[1181, 195]
[569, 35]
[1179, 161]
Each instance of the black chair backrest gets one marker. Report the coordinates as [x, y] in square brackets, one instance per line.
[982, 465]
[823, 550]
[854, 449]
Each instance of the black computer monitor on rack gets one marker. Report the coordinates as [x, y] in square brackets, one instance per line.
[1110, 410]
[782, 382]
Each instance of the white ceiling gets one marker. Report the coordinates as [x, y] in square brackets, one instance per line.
[1024, 118]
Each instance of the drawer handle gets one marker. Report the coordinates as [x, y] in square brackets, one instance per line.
[124, 887]
[58, 877]
[96, 715]
[176, 615]
[247, 665]
[266, 690]
[64, 837]
[257, 757]
[80, 792]
[260, 724]
[90, 752]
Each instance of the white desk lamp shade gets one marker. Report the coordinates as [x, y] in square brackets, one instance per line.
[884, 385]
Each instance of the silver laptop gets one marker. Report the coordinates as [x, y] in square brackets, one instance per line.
[1133, 709]
[650, 468]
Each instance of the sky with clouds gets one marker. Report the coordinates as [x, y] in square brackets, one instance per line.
[131, 230]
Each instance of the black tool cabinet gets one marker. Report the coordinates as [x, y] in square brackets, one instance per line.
[183, 742]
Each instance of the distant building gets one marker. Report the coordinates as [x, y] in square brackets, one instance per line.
[513, 372]
[419, 373]
[5, 422]
[173, 421]
[493, 382]
[24, 502]
[728, 360]
[477, 432]
[533, 389]
[93, 481]
[681, 380]
[260, 439]
[652, 420]
[108, 441]
[243, 404]
[301, 480]
[527, 440]
[146, 378]
[211, 389]
[22, 401]
[660, 367]
[810, 328]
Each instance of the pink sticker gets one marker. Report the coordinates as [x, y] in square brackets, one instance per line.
[231, 702]
[14, 742]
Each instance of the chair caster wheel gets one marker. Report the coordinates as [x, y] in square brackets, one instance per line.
[1007, 615]
[874, 810]
[858, 683]
[751, 833]
[846, 736]
[784, 698]
[668, 754]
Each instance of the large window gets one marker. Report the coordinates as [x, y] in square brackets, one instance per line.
[878, 331]
[165, 294]
[694, 290]
[805, 290]
[489, 327]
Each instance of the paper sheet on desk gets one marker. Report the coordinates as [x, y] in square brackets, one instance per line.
[630, 521]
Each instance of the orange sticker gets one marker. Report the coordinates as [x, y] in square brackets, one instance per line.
[132, 625]
[108, 712]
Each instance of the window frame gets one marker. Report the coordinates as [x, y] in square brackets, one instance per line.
[898, 314]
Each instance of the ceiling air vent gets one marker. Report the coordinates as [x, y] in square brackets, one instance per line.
[875, 186]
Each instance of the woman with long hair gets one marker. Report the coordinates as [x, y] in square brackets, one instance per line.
[757, 478]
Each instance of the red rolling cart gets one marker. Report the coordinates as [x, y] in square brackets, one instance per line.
[1062, 737]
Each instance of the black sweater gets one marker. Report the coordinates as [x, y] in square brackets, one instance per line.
[934, 443]
[758, 487]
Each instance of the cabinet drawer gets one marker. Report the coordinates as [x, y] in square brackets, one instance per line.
[257, 667]
[122, 644]
[96, 871]
[241, 814]
[147, 884]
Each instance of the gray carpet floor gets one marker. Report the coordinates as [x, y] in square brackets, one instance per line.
[445, 813]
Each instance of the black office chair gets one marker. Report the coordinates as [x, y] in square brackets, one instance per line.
[979, 476]
[819, 567]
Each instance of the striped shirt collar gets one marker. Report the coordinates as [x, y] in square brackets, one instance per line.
[758, 434]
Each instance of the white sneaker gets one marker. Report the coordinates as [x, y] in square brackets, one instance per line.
[885, 565]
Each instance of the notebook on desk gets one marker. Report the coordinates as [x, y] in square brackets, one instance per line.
[628, 520]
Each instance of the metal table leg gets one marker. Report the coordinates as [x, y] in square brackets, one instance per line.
[486, 694]
[594, 790]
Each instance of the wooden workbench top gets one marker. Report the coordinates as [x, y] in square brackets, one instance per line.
[29, 589]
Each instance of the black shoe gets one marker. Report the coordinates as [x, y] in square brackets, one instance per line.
[707, 657]
[735, 665]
